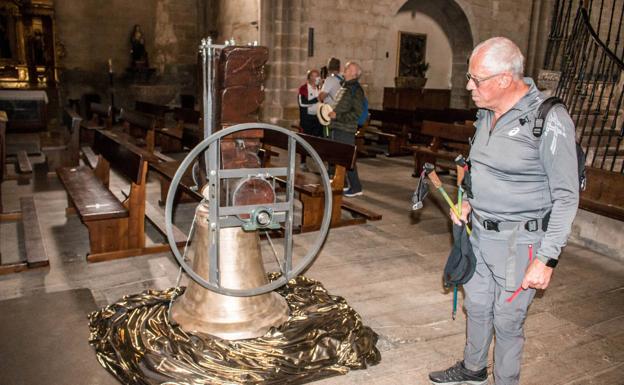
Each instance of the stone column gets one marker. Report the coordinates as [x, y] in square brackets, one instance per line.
[538, 35]
[282, 28]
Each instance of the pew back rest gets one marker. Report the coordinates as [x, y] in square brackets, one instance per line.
[414, 117]
[186, 115]
[121, 155]
[191, 137]
[330, 151]
[101, 110]
[157, 110]
[138, 119]
[71, 120]
[391, 116]
[448, 131]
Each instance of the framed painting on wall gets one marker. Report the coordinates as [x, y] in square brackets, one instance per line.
[411, 52]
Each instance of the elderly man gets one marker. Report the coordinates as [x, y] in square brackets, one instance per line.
[524, 199]
[344, 118]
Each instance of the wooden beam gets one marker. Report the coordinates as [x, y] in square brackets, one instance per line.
[13, 268]
[11, 216]
[349, 205]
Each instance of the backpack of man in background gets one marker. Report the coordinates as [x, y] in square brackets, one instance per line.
[538, 128]
[364, 116]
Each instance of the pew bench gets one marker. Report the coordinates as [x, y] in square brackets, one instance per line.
[116, 228]
[391, 127]
[448, 140]
[308, 185]
[170, 138]
[166, 167]
[64, 151]
[101, 118]
[35, 251]
[140, 126]
[167, 136]
[23, 167]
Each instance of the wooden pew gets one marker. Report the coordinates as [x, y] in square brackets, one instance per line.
[308, 185]
[159, 112]
[392, 127]
[170, 138]
[156, 110]
[65, 152]
[36, 253]
[3, 122]
[166, 167]
[402, 128]
[23, 167]
[447, 141]
[116, 229]
[101, 118]
[140, 126]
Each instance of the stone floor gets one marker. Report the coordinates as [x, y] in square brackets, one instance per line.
[389, 271]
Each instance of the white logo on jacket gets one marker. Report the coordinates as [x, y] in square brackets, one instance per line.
[554, 126]
[513, 131]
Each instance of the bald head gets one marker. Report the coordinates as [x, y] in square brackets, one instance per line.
[499, 55]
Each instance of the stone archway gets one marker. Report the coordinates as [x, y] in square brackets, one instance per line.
[453, 21]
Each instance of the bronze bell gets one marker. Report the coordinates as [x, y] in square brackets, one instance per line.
[228, 317]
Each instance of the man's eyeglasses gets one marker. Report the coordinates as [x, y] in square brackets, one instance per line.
[478, 81]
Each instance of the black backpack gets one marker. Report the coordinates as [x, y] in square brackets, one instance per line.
[540, 119]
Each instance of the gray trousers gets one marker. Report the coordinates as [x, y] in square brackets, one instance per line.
[490, 313]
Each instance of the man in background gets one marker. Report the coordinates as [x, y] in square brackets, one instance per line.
[344, 118]
[332, 83]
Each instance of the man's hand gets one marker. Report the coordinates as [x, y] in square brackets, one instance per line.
[537, 275]
[465, 210]
[332, 115]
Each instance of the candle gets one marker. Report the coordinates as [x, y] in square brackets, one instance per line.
[110, 65]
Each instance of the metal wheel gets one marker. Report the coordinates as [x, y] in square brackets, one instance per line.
[229, 216]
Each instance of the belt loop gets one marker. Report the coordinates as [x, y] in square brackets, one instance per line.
[490, 225]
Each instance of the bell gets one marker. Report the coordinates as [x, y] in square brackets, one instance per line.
[228, 317]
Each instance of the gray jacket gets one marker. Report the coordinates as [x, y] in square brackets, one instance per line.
[518, 177]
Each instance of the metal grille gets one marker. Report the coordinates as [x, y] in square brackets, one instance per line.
[592, 86]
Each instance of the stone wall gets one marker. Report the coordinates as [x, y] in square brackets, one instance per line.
[365, 33]
[238, 20]
[438, 51]
[92, 32]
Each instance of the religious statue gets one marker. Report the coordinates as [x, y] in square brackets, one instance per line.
[138, 52]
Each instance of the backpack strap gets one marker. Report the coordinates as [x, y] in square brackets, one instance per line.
[542, 113]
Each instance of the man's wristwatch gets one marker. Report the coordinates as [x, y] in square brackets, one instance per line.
[550, 262]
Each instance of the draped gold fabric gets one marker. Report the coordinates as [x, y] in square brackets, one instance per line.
[323, 337]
